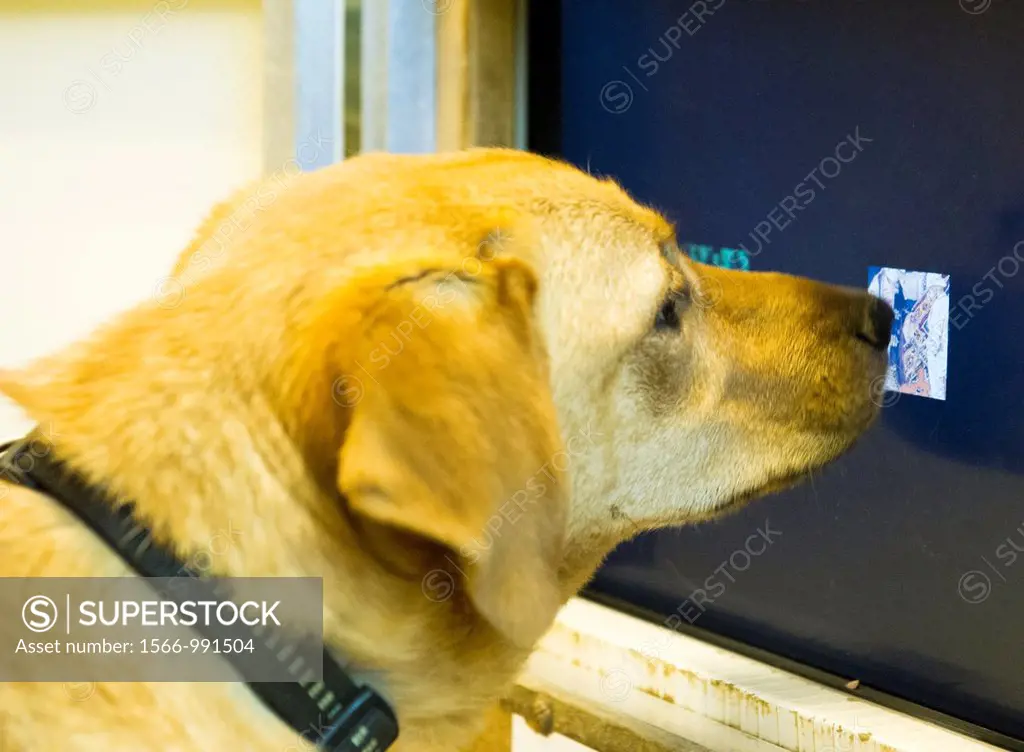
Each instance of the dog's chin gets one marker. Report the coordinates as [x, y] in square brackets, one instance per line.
[786, 480]
[743, 498]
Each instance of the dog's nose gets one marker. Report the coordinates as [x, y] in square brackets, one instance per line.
[876, 323]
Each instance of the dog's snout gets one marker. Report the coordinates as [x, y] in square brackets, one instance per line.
[876, 323]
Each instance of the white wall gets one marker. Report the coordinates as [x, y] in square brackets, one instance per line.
[120, 124]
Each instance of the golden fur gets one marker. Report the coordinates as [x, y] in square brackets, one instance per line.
[402, 363]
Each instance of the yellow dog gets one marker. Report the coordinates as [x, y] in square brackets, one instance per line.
[478, 371]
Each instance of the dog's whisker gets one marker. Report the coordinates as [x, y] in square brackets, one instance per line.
[814, 489]
[675, 569]
[632, 522]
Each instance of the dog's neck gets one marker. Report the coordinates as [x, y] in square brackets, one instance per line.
[179, 477]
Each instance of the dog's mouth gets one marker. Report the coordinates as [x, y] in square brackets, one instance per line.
[743, 498]
[773, 486]
[792, 478]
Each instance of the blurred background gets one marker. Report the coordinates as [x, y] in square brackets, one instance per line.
[119, 128]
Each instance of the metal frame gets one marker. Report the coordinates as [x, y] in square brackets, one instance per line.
[411, 76]
[481, 78]
[522, 59]
[319, 82]
[435, 75]
[616, 683]
[373, 42]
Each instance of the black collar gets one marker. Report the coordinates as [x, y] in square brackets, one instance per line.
[337, 715]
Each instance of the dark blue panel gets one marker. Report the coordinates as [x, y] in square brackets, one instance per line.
[902, 564]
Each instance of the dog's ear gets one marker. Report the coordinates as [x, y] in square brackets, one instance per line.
[453, 434]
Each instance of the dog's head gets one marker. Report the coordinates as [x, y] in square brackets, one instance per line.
[681, 389]
[710, 387]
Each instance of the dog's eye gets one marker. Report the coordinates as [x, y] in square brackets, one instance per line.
[668, 314]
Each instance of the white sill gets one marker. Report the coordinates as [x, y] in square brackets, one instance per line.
[677, 687]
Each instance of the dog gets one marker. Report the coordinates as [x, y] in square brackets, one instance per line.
[448, 385]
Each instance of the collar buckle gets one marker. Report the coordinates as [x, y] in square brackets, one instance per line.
[367, 724]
